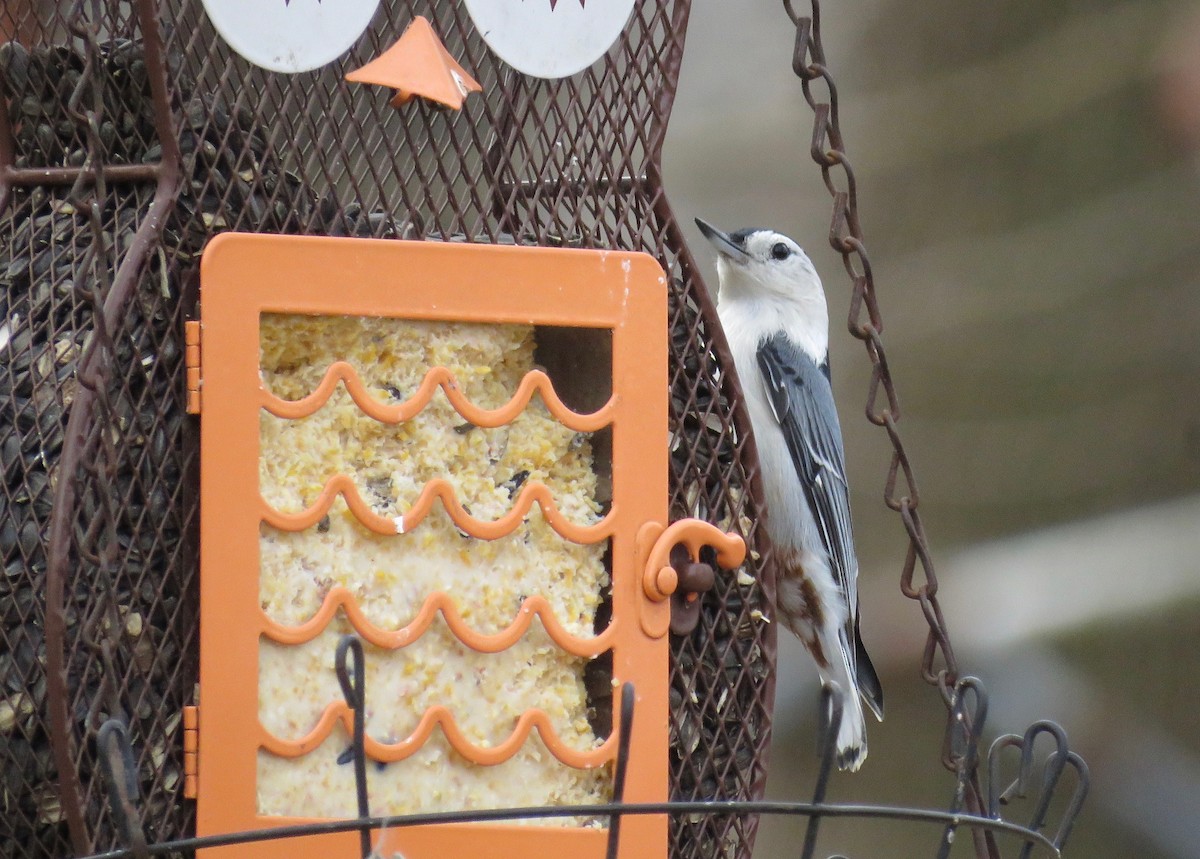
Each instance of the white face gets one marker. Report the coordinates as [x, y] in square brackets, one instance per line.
[763, 260]
[772, 261]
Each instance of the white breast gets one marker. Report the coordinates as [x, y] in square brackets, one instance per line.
[790, 521]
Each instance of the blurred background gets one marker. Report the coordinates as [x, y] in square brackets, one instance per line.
[1029, 182]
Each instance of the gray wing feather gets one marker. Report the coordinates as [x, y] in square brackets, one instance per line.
[802, 400]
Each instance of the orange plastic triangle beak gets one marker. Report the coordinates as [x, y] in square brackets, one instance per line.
[419, 65]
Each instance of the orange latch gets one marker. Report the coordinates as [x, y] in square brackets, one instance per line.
[191, 737]
[659, 578]
[191, 337]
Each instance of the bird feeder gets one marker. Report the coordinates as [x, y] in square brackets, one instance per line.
[532, 381]
[109, 204]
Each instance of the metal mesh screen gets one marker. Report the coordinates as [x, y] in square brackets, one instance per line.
[132, 136]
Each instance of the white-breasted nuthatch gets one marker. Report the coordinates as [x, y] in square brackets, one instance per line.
[773, 310]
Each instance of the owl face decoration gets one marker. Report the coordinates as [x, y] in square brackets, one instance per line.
[550, 38]
[293, 36]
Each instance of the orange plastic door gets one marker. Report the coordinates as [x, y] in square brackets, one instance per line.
[245, 277]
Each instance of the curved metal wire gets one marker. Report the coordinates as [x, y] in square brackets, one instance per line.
[352, 678]
[109, 303]
[676, 808]
[116, 755]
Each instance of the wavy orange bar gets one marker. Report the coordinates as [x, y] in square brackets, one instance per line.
[439, 488]
[438, 377]
[441, 717]
[340, 597]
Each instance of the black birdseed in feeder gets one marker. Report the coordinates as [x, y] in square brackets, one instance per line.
[130, 591]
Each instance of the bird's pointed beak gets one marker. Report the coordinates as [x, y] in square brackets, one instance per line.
[725, 245]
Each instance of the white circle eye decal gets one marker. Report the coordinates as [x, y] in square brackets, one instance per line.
[291, 35]
[550, 38]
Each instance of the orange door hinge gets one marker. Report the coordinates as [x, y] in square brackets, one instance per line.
[191, 736]
[191, 333]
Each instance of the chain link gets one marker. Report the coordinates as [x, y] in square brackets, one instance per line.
[938, 665]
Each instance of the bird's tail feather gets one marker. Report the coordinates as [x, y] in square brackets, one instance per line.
[852, 732]
[854, 680]
[868, 681]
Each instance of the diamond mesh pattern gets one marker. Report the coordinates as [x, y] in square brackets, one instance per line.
[570, 163]
[45, 329]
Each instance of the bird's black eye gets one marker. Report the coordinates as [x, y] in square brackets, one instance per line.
[781, 251]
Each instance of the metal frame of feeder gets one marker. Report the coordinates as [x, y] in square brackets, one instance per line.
[351, 677]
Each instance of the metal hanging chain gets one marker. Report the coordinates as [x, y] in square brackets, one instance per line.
[845, 235]
[900, 493]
